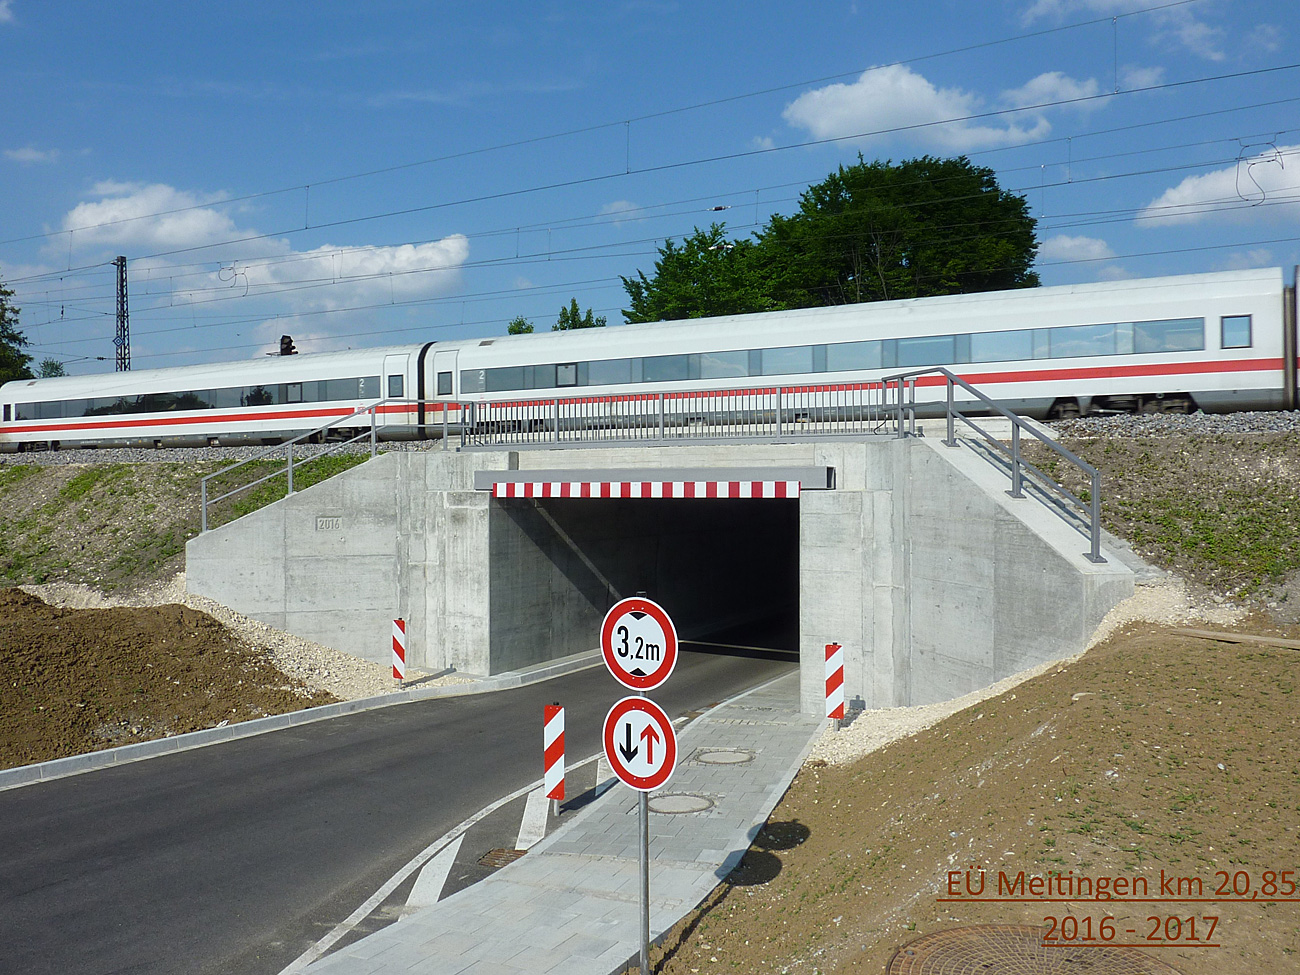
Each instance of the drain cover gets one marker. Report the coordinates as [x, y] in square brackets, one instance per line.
[676, 803]
[1011, 949]
[724, 756]
[499, 858]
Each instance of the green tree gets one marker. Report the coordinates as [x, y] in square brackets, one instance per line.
[571, 317]
[50, 368]
[868, 232]
[877, 231]
[14, 362]
[705, 275]
[519, 325]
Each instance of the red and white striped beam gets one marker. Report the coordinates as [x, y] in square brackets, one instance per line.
[399, 649]
[553, 752]
[645, 489]
[834, 681]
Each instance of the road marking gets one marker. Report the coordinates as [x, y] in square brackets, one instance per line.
[433, 876]
[533, 826]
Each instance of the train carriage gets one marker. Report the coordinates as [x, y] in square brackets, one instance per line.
[1219, 342]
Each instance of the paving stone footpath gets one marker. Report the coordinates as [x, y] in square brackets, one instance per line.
[572, 903]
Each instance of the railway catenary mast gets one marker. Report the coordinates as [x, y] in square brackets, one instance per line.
[122, 340]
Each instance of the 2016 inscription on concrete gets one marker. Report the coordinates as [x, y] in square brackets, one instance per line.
[328, 524]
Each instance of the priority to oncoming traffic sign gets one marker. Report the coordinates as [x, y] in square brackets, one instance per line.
[640, 743]
[639, 643]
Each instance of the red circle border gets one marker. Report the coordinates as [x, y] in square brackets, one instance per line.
[638, 604]
[642, 783]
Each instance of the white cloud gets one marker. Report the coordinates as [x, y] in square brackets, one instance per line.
[6, 14]
[1262, 176]
[1178, 26]
[133, 216]
[763, 142]
[1051, 86]
[1266, 37]
[30, 154]
[141, 215]
[895, 97]
[1135, 77]
[1246, 260]
[621, 211]
[1063, 247]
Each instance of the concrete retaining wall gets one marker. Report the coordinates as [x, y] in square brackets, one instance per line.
[933, 579]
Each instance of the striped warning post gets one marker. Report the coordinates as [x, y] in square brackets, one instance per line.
[834, 681]
[553, 752]
[399, 649]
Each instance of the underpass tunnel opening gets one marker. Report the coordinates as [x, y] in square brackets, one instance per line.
[726, 571]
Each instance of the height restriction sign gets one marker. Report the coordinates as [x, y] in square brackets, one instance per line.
[640, 743]
[639, 643]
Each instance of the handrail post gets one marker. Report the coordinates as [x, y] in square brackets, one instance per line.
[374, 431]
[557, 420]
[952, 420]
[779, 392]
[1095, 529]
[662, 435]
[911, 411]
[446, 429]
[290, 445]
[203, 505]
[1015, 491]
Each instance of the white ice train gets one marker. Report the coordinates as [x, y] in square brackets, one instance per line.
[1218, 342]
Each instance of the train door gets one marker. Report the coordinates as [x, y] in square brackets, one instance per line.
[443, 389]
[393, 386]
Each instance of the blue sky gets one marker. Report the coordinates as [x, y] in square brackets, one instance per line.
[395, 171]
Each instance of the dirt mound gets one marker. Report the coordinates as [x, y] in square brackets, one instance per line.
[74, 681]
[1153, 752]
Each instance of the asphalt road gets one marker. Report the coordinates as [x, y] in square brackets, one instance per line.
[237, 857]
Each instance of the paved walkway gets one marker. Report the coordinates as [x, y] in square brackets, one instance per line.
[571, 904]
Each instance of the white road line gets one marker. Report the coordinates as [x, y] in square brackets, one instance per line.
[321, 947]
[533, 826]
[433, 876]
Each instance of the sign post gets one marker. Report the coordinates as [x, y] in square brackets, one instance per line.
[639, 644]
[399, 651]
[835, 683]
[553, 754]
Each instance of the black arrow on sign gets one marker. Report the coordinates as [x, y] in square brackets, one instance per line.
[628, 751]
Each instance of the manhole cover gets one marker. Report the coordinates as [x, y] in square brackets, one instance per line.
[674, 804]
[724, 756]
[499, 858]
[1011, 949]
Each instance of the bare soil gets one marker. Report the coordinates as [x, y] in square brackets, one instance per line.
[1153, 752]
[75, 681]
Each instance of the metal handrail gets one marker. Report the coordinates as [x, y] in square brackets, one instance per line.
[287, 446]
[905, 416]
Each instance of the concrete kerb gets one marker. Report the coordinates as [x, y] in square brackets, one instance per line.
[59, 768]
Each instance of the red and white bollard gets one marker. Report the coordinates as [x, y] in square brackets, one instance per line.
[553, 754]
[835, 683]
[399, 650]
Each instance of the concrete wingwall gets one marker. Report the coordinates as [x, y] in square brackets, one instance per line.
[933, 579]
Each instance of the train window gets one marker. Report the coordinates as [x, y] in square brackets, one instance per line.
[1175, 335]
[473, 380]
[225, 399]
[844, 356]
[444, 384]
[1042, 343]
[724, 365]
[539, 377]
[1001, 346]
[1236, 331]
[666, 368]
[930, 350]
[819, 358]
[8, 409]
[395, 386]
[503, 378]
[566, 374]
[787, 362]
[609, 372]
[293, 393]
[961, 348]
[368, 386]
[1083, 340]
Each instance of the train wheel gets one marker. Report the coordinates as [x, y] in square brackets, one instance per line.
[1064, 409]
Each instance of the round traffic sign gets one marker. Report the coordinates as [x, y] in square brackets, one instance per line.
[639, 643]
[640, 743]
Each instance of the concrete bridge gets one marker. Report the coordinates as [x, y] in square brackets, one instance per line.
[907, 551]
